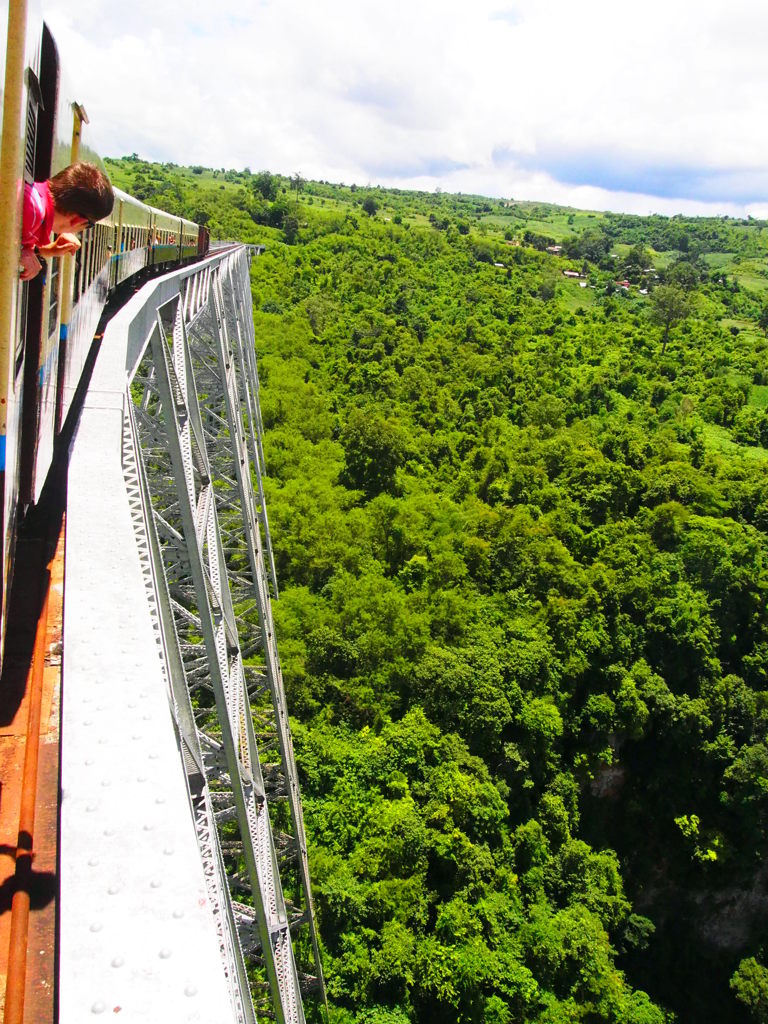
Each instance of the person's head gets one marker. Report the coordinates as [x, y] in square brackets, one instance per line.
[81, 195]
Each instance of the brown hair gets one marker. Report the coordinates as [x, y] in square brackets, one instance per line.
[84, 190]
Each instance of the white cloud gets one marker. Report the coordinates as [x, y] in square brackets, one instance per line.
[631, 107]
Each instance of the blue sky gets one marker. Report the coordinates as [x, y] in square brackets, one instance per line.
[653, 107]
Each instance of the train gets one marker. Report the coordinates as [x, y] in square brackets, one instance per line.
[47, 325]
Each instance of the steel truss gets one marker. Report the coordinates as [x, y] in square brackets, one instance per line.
[194, 465]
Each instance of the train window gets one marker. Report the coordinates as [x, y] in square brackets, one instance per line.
[87, 260]
[19, 354]
[77, 290]
[85, 274]
[86, 251]
[54, 276]
[91, 243]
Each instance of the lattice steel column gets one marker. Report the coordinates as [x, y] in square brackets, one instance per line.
[232, 353]
[193, 450]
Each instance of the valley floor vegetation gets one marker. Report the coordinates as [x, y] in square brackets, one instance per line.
[521, 528]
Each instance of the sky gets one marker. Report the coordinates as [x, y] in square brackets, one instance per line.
[651, 107]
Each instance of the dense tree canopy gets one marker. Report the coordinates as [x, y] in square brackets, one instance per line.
[523, 554]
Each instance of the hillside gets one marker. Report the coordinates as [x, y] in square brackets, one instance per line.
[520, 522]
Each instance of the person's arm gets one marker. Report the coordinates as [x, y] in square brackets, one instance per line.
[60, 246]
[30, 265]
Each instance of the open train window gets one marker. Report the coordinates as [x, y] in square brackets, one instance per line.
[54, 277]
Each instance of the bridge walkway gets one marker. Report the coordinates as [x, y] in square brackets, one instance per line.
[167, 891]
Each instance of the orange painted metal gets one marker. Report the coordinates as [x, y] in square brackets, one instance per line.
[25, 852]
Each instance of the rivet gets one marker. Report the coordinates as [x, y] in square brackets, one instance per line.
[113, 889]
[190, 990]
[148, 827]
[159, 799]
[141, 778]
[106, 782]
[90, 808]
[109, 832]
[168, 851]
[89, 722]
[98, 1007]
[155, 883]
[153, 756]
[89, 761]
[93, 862]
[178, 914]
[96, 926]
[146, 718]
[164, 953]
[118, 961]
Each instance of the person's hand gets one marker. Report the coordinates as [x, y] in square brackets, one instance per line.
[62, 245]
[30, 265]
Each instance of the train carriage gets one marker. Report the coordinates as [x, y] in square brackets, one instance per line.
[132, 227]
[47, 324]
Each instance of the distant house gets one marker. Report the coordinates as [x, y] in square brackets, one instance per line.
[582, 284]
[571, 273]
[643, 291]
[624, 285]
[556, 249]
[499, 265]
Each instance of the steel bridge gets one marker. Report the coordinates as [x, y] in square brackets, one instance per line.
[183, 882]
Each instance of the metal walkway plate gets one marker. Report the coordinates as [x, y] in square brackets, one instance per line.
[138, 934]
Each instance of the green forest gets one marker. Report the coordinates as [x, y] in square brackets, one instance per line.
[517, 488]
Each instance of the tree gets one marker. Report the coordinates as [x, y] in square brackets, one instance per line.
[290, 228]
[297, 184]
[668, 307]
[374, 448]
[683, 274]
[750, 986]
[266, 184]
[637, 260]
[593, 244]
[370, 205]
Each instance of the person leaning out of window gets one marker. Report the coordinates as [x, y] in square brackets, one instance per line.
[69, 202]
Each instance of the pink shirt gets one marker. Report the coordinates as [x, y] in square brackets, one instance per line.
[37, 219]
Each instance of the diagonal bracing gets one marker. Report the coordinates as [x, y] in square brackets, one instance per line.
[194, 464]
